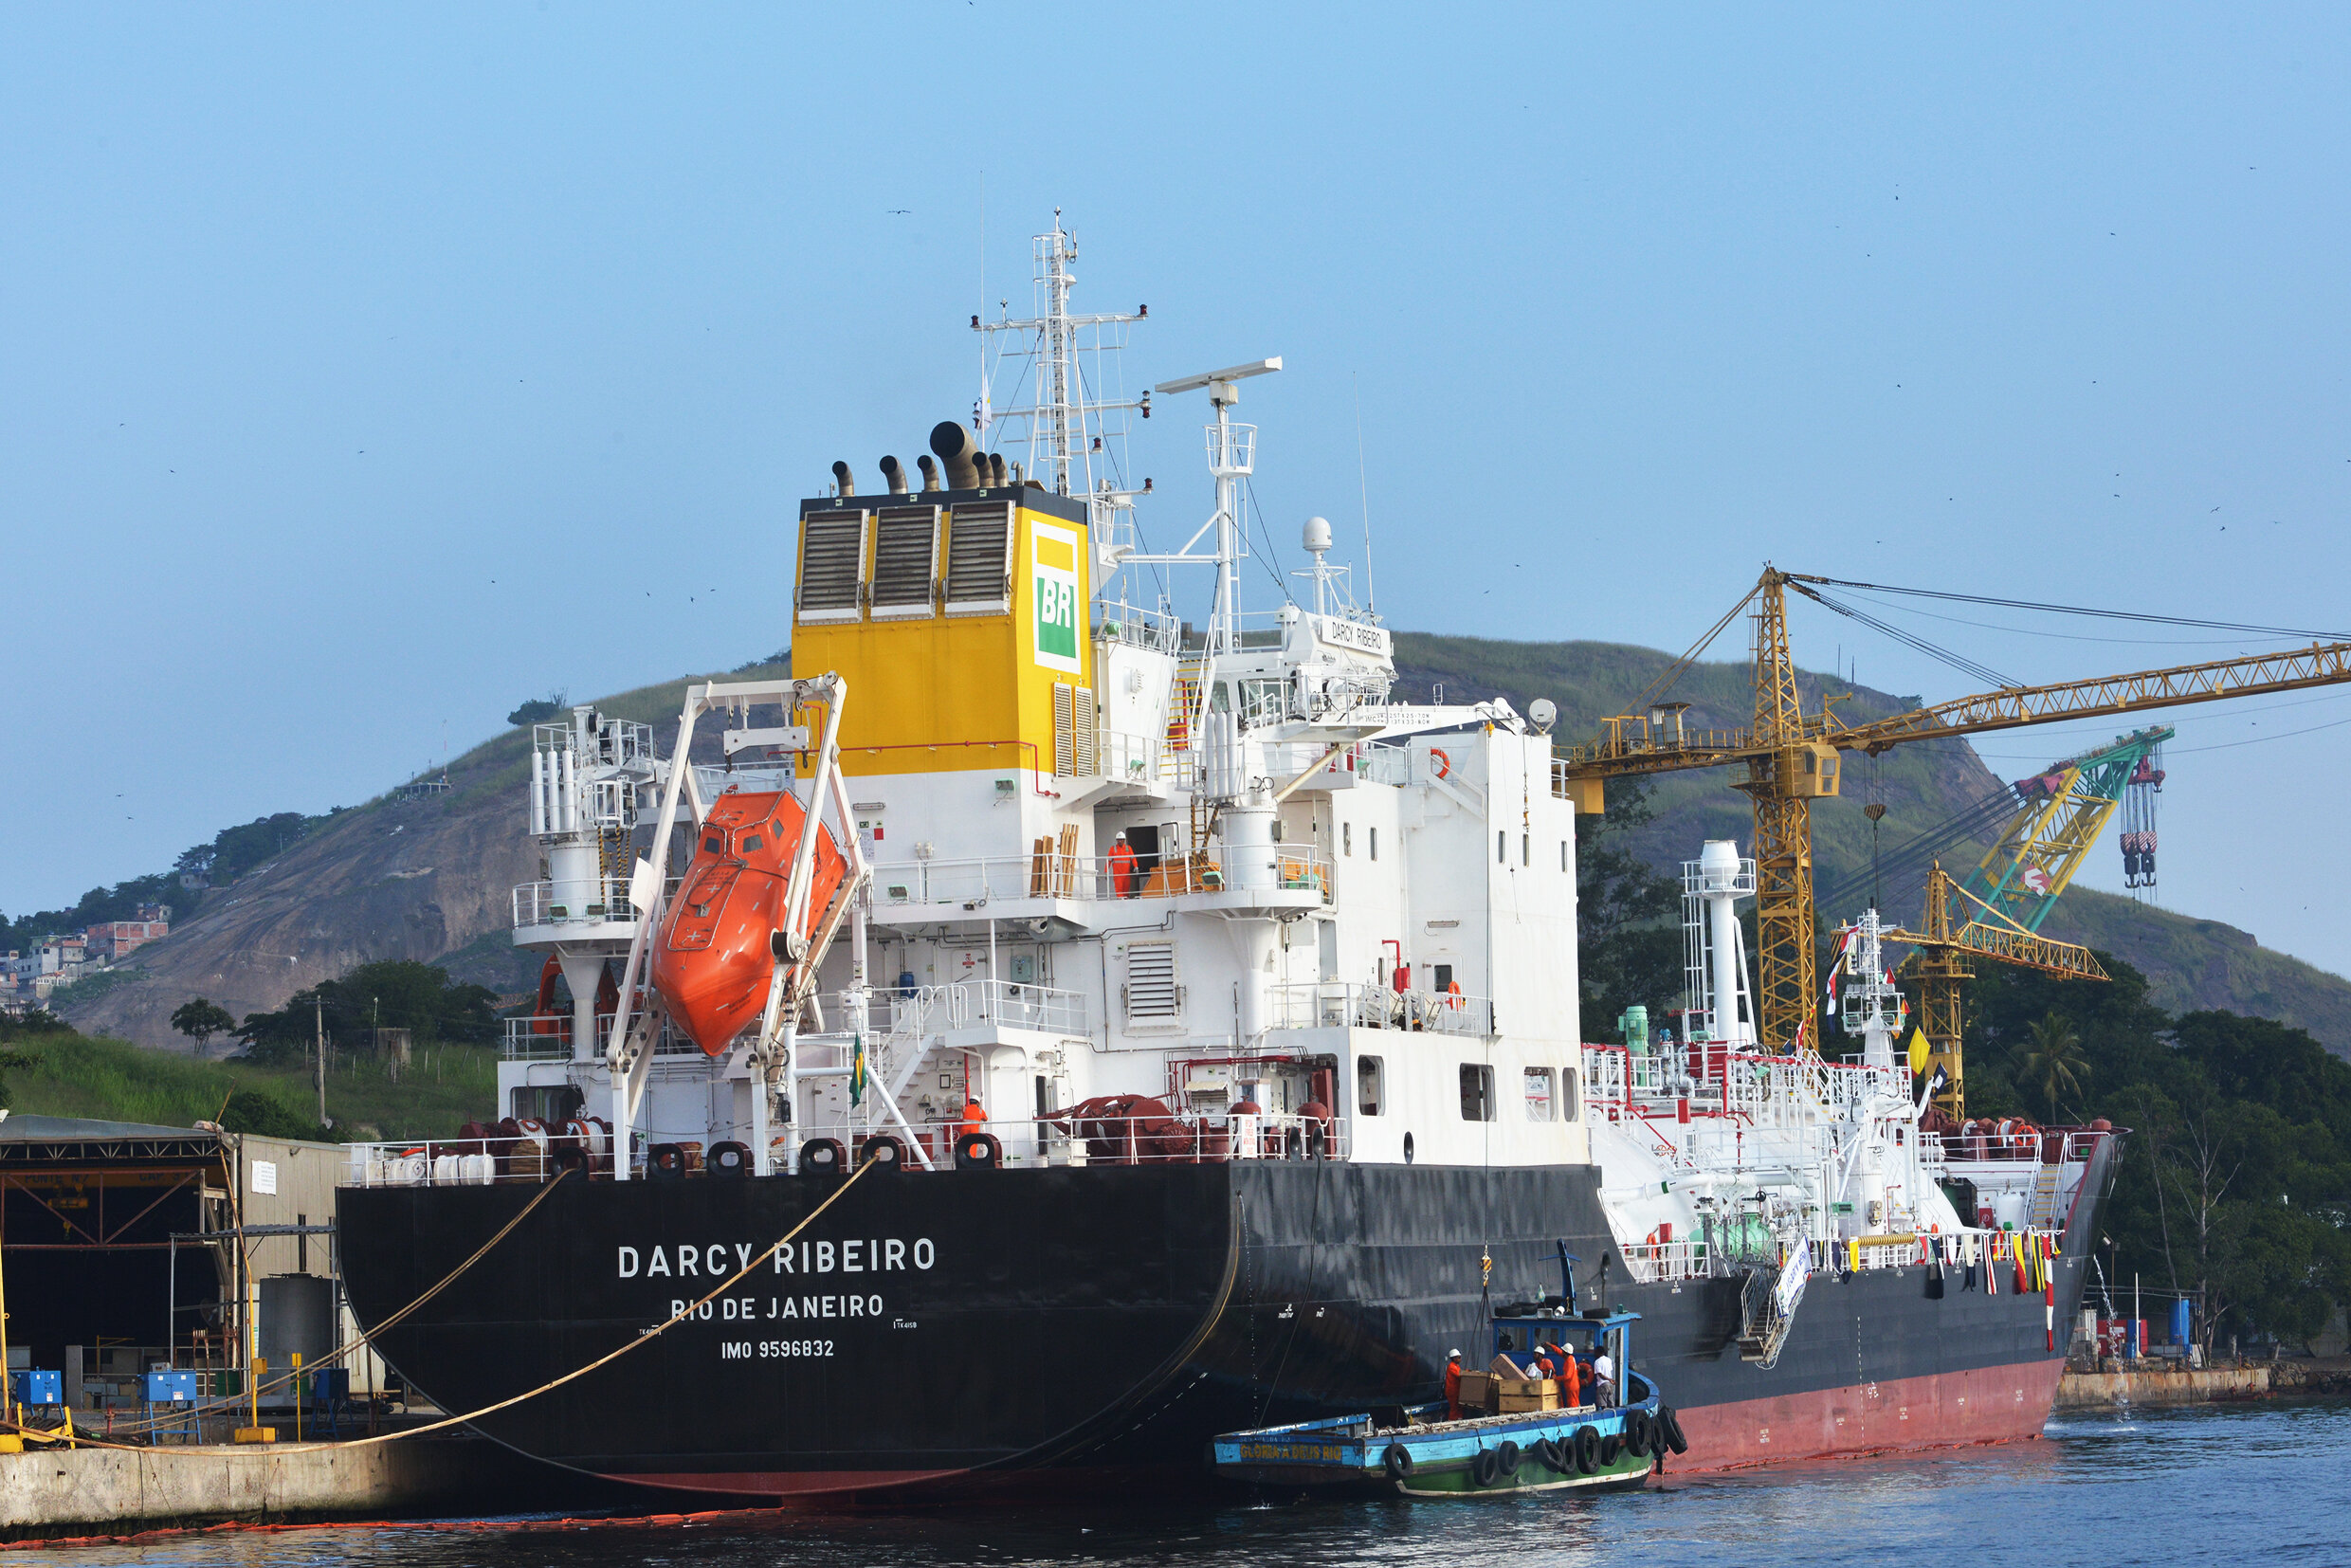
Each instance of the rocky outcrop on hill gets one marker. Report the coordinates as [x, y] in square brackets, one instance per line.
[428, 878]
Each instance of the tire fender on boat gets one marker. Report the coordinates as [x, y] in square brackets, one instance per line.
[1671, 1424]
[1585, 1445]
[1506, 1457]
[1551, 1456]
[1636, 1433]
[1485, 1467]
[1398, 1461]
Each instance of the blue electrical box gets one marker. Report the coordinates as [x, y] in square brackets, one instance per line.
[38, 1388]
[329, 1385]
[172, 1388]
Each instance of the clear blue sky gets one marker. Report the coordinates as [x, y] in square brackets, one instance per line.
[364, 370]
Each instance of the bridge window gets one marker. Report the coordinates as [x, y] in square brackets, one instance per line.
[1477, 1092]
[1369, 1077]
[1540, 1105]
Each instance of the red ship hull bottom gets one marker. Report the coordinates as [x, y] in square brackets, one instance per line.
[1940, 1410]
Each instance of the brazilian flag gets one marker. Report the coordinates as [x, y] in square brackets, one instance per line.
[857, 1072]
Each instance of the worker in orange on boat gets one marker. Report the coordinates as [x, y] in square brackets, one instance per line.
[1569, 1383]
[1453, 1385]
[1126, 877]
[974, 1118]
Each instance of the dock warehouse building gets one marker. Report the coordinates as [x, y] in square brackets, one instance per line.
[120, 1246]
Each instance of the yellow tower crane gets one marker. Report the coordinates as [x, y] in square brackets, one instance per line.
[1792, 759]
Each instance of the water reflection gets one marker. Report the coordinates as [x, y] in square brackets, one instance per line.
[2220, 1484]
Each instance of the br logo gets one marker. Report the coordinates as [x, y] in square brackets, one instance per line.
[1058, 598]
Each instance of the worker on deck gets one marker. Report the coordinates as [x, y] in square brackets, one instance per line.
[1569, 1383]
[1453, 1385]
[1126, 877]
[1604, 1374]
[975, 1118]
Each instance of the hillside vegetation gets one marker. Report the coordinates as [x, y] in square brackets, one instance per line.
[67, 1074]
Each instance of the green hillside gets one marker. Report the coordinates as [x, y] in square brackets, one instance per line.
[73, 1075]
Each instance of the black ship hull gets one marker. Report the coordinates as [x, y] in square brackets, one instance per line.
[1066, 1327]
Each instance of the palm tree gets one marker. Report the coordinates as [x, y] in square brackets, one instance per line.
[2052, 1059]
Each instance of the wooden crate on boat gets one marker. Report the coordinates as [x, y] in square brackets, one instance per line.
[1520, 1395]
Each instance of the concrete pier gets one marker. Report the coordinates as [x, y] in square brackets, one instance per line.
[2083, 1391]
[50, 1492]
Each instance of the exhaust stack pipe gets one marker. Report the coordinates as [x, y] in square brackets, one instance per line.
[930, 472]
[895, 475]
[842, 477]
[959, 452]
[995, 469]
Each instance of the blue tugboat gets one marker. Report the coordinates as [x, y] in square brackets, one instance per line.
[1504, 1434]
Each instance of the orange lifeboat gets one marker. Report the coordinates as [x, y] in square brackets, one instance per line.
[712, 961]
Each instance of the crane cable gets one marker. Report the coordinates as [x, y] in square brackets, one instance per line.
[1973, 670]
[1664, 683]
[2078, 609]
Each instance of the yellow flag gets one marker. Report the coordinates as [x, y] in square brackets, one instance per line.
[1918, 1052]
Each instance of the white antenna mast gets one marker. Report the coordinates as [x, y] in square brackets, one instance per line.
[1067, 426]
[1363, 480]
[1232, 456]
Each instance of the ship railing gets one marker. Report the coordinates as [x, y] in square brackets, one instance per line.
[1089, 1140]
[545, 1036]
[1656, 1262]
[1335, 1004]
[963, 1004]
[1153, 629]
[1126, 758]
[2014, 1140]
[1380, 764]
[554, 904]
[1047, 873]
[531, 1151]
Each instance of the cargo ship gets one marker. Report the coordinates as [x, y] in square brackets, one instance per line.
[1178, 1033]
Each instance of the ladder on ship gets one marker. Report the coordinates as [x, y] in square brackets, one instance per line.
[1184, 704]
[2047, 1182]
[1762, 1326]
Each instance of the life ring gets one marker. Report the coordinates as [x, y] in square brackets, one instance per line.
[1439, 763]
[1487, 1466]
[1398, 1461]
[1550, 1455]
[1585, 1449]
[1671, 1424]
[1506, 1458]
[1452, 995]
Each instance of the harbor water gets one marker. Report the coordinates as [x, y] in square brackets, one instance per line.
[2203, 1485]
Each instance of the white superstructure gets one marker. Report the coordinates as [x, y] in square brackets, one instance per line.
[1102, 857]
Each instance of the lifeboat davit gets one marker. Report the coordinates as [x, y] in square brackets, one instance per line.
[712, 960]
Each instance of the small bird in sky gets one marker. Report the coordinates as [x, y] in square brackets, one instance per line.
[901, 213]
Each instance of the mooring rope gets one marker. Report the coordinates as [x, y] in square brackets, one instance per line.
[575, 1375]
